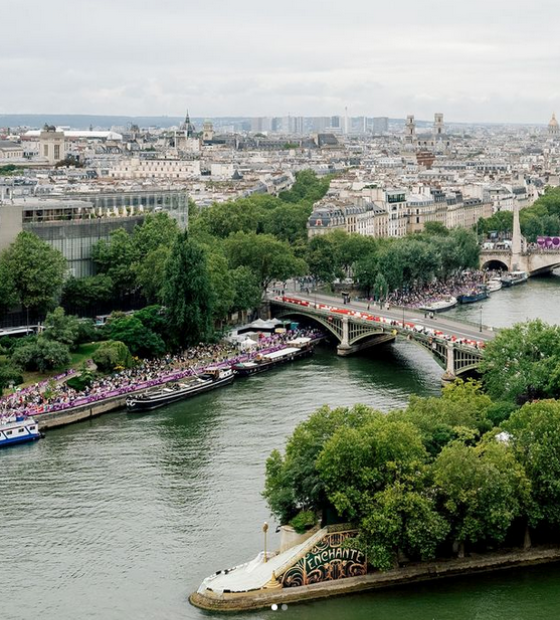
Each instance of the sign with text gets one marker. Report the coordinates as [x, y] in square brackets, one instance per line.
[328, 560]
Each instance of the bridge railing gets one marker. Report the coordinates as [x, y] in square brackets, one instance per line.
[385, 323]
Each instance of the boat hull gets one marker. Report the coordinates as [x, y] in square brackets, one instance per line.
[247, 371]
[18, 440]
[139, 405]
[471, 299]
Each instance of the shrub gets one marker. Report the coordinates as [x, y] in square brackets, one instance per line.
[9, 374]
[303, 521]
[41, 355]
[112, 354]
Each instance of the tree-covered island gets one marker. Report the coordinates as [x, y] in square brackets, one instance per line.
[474, 470]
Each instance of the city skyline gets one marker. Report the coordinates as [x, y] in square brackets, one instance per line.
[479, 63]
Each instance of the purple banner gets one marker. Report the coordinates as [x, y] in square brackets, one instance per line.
[549, 242]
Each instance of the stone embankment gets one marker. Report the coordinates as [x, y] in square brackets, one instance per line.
[426, 571]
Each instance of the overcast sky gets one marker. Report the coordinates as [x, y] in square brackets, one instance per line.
[473, 60]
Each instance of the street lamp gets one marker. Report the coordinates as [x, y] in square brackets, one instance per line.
[403, 316]
[480, 324]
[265, 530]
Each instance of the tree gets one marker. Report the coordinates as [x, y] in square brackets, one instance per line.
[8, 293]
[35, 269]
[247, 292]
[116, 258]
[61, 327]
[535, 440]
[41, 355]
[460, 412]
[322, 258]
[482, 489]
[10, 375]
[436, 229]
[374, 475]
[523, 362]
[222, 285]
[157, 230]
[267, 257]
[140, 340]
[293, 482]
[87, 295]
[186, 293]
[112, 355]
[150, 273]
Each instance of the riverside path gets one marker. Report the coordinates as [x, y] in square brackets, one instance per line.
[457, 346]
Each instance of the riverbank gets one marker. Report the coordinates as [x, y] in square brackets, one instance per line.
[422, 572]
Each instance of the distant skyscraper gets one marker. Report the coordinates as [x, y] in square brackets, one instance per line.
[380, 125]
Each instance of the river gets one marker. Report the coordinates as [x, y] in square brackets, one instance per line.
[121, 518]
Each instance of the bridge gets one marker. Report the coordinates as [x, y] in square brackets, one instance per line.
[535, 261]
[456, 346]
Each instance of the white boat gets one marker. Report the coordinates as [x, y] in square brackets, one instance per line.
[18, 429]
[495, 284]
[441, 305]
[514, 277]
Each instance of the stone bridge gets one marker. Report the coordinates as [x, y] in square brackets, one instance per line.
[534, 262]
[356, 330]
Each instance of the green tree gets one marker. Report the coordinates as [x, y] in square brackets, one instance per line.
[293, 482]
[535, 439]
[35, 269]
[523, 362]
[461, 412]
[222, 285]
[61, 327]
[10, 375]
[187, 295]
[112, 355]
[140, 340]
[157, 230]
[150, 273]
[482, 489]
[246, 288]
[267, 257]
[41, 355]
[84, 295]
[116, 258]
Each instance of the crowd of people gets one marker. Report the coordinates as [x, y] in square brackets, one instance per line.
[420, 296]
[57, 394]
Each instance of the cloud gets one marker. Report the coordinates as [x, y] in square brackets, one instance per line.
[475, 61]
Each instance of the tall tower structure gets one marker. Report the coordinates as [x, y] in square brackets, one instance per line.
[553, 128]
[410, 131]
[439, 128]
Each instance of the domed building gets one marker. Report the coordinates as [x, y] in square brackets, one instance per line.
[553, 127]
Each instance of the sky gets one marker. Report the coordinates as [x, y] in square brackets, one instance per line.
[475, 60]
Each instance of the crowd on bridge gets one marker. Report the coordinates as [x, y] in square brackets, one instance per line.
[56, 394]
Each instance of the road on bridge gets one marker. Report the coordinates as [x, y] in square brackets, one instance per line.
[441, 323]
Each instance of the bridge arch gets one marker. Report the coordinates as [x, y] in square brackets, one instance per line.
[331, 326]
[495, 265]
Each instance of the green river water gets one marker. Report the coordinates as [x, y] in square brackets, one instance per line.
[122, 517]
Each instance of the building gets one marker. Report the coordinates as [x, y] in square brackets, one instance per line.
[380, 125]
[52, 144]
[553, 128]
[10, 150]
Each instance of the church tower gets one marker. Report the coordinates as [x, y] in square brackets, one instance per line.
[439, 128]
[410, 131]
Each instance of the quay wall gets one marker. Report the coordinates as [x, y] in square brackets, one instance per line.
[52, 419]
[426, 571]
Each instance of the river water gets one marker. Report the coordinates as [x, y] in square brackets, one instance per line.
[122, 517]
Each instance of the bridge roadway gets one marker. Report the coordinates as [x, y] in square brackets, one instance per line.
[440, 322]
[457, 346]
